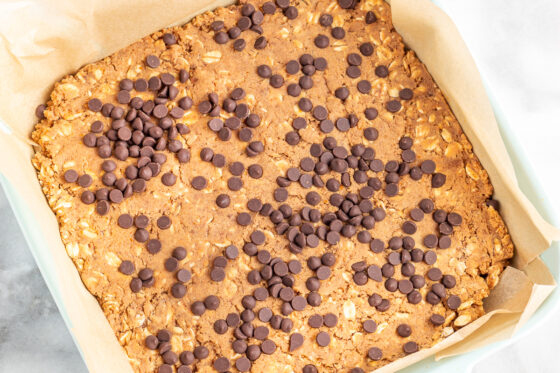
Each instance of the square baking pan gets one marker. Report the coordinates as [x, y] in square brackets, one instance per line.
[461, 363]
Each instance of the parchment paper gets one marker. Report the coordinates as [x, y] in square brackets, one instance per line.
[43, 40]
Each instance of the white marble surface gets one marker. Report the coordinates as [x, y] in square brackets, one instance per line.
[517, 47]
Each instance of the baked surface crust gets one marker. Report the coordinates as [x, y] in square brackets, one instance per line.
[480, 245]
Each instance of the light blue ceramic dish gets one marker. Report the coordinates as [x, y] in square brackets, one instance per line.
[463, 363]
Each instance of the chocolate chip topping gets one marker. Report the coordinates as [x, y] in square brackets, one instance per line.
[145, 128]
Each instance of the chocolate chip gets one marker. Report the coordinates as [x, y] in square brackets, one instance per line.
[404, 330]
[70, 176]
[437, 319]
[183, 275]
[222, 364]
[243, 364]
[286, 325]
[152, 61]
[382, 71]
[364, 86]
[165, 368]
[360, 278]
[276, 81]
[135, 285]
[234, 183]
[392, 189]
[178, 290]
[212, 302]
[184, 155]
[366, 49]
[408, 156]
[439, 290]
[353, 72]
[198, 308]
[342, 93]
[407, 268]
[268, 347]
[430, 257]
[239, 346]
[321, 41]
[151, 342]
[292, 138]
[153, 246]
[296, 341]
[126, 267]
[168, 179]
[426, 205]
[217, 274]
[268, 7]
[369, 326]
[323, 339]
[428, 166]
[410, 347]
[374, 300]
[370, 17]
[338, 33]
[264, 71]
[170, 264]
[116, 196]
[199, 182]
[405, 94]
[453, 302]
[430, 241]
[145, 274]
[354, 59]
[333, 237]
[40, 111]
[342, 124]
[260, 43]
[221, 37]
[85, 180]
[391, 284]
[454, 219]
[329, 320]
[409, 227]
[95, 104]
[438, 180]
[239, 44]
[292, 67]
[375, 354]
[493, 203]
[141, 235]
[294, 90]
[315, 321]
[257, 18]
[444, 242]
[416, 214]
[163, 222]
[236, 168]
[393, 106]
[346, 4]
[325, 20]
[200, 352]
[186, 357]
[313, 198]
[291, 12]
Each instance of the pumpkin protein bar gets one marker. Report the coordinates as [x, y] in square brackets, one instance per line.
[272, 187]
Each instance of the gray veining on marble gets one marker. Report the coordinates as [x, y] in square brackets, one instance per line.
[33, 336]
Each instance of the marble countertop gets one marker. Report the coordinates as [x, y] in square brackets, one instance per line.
[516, 46]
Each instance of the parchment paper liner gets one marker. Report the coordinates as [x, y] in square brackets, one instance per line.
[41, 41]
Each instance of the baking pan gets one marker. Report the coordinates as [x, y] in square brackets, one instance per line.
[461, 363]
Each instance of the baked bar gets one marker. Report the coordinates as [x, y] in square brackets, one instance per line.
[272, 187]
